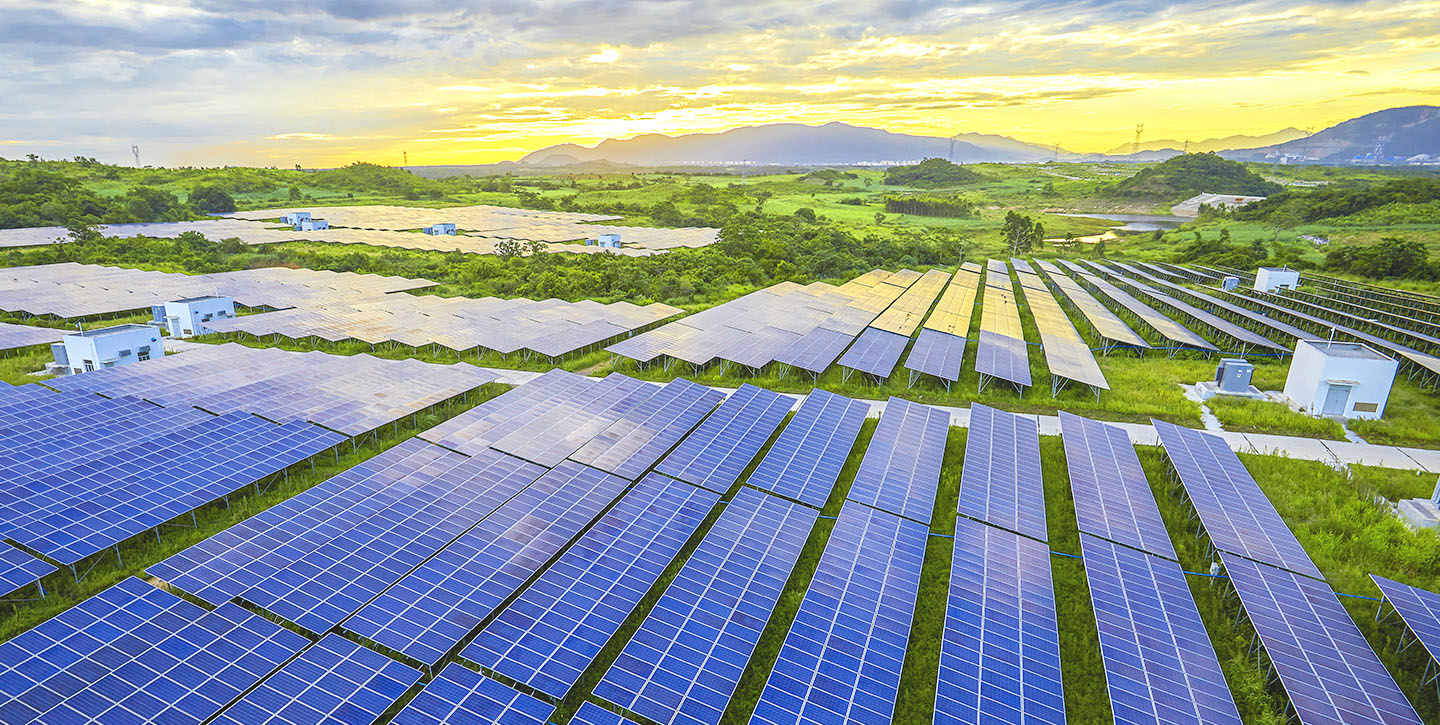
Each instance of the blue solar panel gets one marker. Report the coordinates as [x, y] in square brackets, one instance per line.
[937, 353]
[1159, 665]
[816, 350]
[230, 562]
[1323, 661]
[592, 714]
[632, 444]
[1419, 609]
[460, 695]
[45, 664]
[561, 430]
[841, 660]
[475, 429]
[428, 612]
[438, 503]
[334, 681]
[18, 569]
[187, 676]
[683, 663]
[547, 637]
[875, 352]
[806, 459]
[718, 451]
[901, 469]
[1004, 357]
[1000, 656]
[1001, 482]
[1112, 496]
[1236, 514]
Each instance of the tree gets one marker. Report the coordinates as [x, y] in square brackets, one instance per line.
[879, 218]
[1037, 235]
[1019, 232]
[212, 199]
[82, 229]
[805, 213]
[508, 248]
[294, 193]
[1100, 248]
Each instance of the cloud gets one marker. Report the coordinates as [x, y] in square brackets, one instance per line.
[604, 55]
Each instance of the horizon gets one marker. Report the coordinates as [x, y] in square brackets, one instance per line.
[199, 83]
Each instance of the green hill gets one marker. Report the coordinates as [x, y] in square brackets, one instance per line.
[930, 174]
[1182, 177]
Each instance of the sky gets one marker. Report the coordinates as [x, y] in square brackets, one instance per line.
[328, 82]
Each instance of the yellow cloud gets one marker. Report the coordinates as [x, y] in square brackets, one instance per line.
[606, 54]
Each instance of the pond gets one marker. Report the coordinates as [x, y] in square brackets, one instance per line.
[1139, 222]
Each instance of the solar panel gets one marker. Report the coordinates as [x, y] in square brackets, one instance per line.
[1159, 665]
[937, 353]
[875, 352]
[1066, 353]
[430, 610]
[952, 314]
[806, 460]
[816, 350]
[18, 569]
[841, 660]
[1000, 653]
[1113, 499]
[1323, 661]
[333, 681]
[42, 665]
[716, 453]
[1003, 357]
[1168, 328]
[461, 695]
[436, 504]
[1001, 483]
[901, 469]
[475, 429]
[683, 663]
[18, 336]
[592, 714]
[632, 444]
[1419, 609]
[187, 676]
[1242, 335]
[1236, 514]
[559, 432]
[1106, 324]
[548, 636]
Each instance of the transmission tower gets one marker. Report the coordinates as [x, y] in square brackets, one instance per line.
[1135, 146]
[953, 139]
[406, 156]
[136, 150]
[1187, 146]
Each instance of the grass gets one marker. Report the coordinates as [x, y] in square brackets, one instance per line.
[16, 366]
[1412, 418]
[1393, 485]
[146, 549]
[1247, 415]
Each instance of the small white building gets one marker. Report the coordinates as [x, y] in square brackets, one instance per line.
[295, 217]
[108, 347]
[1269, 279]
[610, 240]
[1345, 379]
[442, 228]
[311, 225]
[187, 317]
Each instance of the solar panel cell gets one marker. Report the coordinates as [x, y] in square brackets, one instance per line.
[592, 714]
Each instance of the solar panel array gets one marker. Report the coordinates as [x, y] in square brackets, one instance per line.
[475, 429]
[82, 290]
[875, 352]
[806, 460]
[683, 663]
[1419, 609]
[900, 472]
[460, 695]
[549, 327]
[19, 570]
[1066, 352]
[350, 394]
[1168, 328]
[18, 336]
[1325, 664]
[904, 316]
[1106, 324]
[842, 658]
[1283, 328]
[1000, 482]
[1244, 336]
[717, 453]
[1112, 496]
[1000, 652]
[937, 353]
[1159, 664]
[1236, 514]
[592, 714]
[634, 442]
[952, 315]
[551, 435]
[429, 611]
[333, 681]
[548, 636]
[1001, 352]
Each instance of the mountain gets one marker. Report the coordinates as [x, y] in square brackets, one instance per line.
[1409, 131]
[794, 143]
[1238, 141]
[1185, 176]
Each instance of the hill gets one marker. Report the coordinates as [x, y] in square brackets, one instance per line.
[1185, 176]
[1409, 131]
[793, 143]
[930, 174]
[1228, 143]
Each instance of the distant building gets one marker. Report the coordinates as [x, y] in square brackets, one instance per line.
[1269, 279]
[1191, 207]
[311, 225]
[1344, 379]
[187, 317]
[295, 217]
[610, 240]
[108, 347]
[443, 228]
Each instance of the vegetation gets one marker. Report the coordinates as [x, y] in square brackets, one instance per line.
[1329, 202]
[941, 206]
[930, 174]
[1181, 177]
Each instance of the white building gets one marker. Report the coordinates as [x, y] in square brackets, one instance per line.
[442, 228]
[295, 217]
[311, 225]
[610, 240]
[187, 317]
[107, 347]
[1340, 378]
[1269, 279]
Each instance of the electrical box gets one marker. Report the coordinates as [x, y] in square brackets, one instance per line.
[1233, 375]
[1229, 284]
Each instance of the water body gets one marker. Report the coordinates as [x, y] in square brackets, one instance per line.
[1139, 222]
